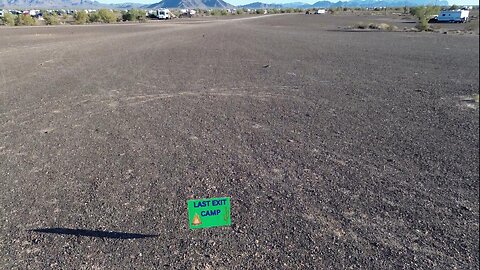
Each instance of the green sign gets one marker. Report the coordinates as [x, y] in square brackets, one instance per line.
[206, 213]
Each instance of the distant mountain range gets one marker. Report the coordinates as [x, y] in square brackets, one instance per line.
[258, 5]
[48, 3]
[204, 4]
[351, 4]
[72, 4]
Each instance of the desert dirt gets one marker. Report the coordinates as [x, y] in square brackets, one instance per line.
[339, 149]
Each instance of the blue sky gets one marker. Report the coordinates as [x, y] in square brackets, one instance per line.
[243, 2]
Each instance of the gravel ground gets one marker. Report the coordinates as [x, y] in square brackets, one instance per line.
[338, 149]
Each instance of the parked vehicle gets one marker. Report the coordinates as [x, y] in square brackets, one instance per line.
[164, 14]
[187, 13]
[457, 16]
[320, 11]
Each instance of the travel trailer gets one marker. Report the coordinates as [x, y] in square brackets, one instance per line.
[458, 16]
[164, 14]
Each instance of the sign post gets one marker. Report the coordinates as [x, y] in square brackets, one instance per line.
[206, 213]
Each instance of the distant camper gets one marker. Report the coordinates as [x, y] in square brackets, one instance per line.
[187, 13]
[320, 11]
[164, 14]
[457, 16]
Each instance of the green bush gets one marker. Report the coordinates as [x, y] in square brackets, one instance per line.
[107, 16]
[215, 12]
[134, 15]
[8, 19]
[51, 19]
[81, 17]
[259, 11]
[24, 19]
[423, 14]
[93, 17]
[239, 11]
[422, 24]
[223, 12]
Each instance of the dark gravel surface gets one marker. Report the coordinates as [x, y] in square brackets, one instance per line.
[338, 149]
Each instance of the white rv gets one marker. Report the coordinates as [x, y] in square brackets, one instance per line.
[459, 15]
[320, 11]
[164, 14]
[2, 13]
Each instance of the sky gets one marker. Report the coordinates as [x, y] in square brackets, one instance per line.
[244, 2]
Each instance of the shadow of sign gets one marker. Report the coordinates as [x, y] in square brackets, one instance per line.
[93, 233]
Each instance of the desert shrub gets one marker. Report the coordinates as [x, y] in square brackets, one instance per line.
[361, 25]
[107, 16]
[81, 17]
[391, 28]
[223, 12]
[93, 17]
[134, 15]
[24, 19]
[383, 27]
[259, 11]
[239, 11]
[413, 11]
[215, 12]
[8, 19]
[51, 19]
[423, 15]
[175, 12]
[422, 24]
